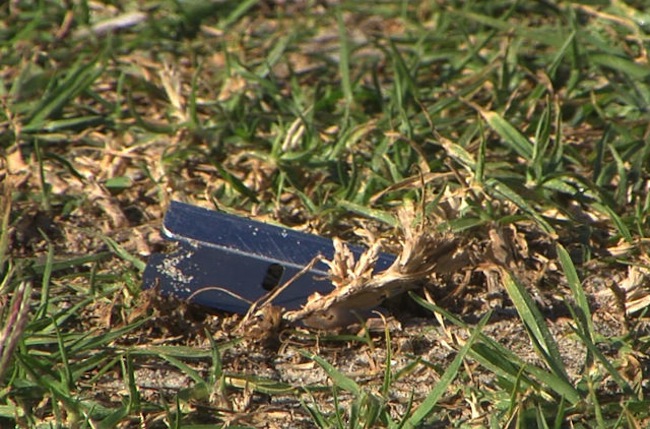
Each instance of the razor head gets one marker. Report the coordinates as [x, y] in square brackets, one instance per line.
[227, 262]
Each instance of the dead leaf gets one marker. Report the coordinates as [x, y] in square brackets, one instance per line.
[359, 289]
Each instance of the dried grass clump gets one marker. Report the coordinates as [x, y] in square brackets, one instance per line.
[635, 289]
[359, 289]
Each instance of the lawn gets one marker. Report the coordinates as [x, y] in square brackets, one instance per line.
[518, 128]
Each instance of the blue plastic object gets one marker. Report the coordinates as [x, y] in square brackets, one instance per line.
[226, 262]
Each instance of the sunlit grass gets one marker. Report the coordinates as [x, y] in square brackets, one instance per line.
[524, 118]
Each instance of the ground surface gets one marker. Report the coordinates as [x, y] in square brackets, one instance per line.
[521, 128]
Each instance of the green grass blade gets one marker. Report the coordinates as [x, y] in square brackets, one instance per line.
[370, 213]
[616, 220]
[128, 373]
[561, 53]
[611, 370]
[505, 363]
[427, 406]
[503, 191]
[148, 126]
[344, 60]
[77, 80]
[623, 65]
[38, 267]
[236, 184]
[536, 325]
[46, 188]
[237, 13]
[479, 171]
[46, 283]
[78, 123]
[582, 304]
[177, 351]
[258, 384]
[5, 210]
[542, 134]
[89, 341]
[511, 136]
[184, 368]
[124, 254]
[216, 372]
[339, 379]
[404, 83]
[66, 372]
